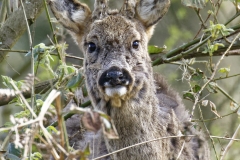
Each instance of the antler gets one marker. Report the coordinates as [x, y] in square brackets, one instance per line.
[100, 9]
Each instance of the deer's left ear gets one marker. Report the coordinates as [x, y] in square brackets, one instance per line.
[149, 12]
[72, 14]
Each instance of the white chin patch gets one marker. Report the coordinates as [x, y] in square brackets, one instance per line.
[116, 91]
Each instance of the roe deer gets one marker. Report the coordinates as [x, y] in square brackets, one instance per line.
[121, 83]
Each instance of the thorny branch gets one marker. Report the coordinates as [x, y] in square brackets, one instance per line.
[212, 77]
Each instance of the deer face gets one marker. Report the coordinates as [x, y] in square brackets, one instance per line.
[116, 58]
[117, 65]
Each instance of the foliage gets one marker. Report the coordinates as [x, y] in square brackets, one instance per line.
[201, 76]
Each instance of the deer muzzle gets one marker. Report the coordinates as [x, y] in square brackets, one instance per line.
[115, 81]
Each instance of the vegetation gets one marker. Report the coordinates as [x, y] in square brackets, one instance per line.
[202, 42]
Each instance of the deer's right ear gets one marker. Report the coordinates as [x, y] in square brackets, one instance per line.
[149, 12]
[72, 14]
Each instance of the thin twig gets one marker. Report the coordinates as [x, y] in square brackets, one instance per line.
[231, 19]
[32, 68]
[212, 119]
[24, 100]
[74, 57]
[225, 138]
[179, 154]
[19, 125]
[15, 5]
[10, 50]
[200, 18]
[138, 144]
[27, 147]
[28, 28]
[25, 51]
[222, 78]
[6, 141]
[230, 143]
[69, 115]
[212, 76]
[51, 26]
[60, 123]
[226, 94]
[3, 12]
[46, 105]
[201, 117]
[8, 5]
[46, 143]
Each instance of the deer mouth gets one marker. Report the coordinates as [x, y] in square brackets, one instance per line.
[115, 82]
[117, 91]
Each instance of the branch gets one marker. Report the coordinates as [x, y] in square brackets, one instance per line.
[212, 76]
[230, 143]
[14, 26]
[138, 144]
[39, 88]
[193, 49]
[53, 54]
[161, 58]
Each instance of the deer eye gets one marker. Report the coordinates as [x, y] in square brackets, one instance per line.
[135, 44]
[91, 47]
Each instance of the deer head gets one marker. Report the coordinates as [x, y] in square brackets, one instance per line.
[117, 65]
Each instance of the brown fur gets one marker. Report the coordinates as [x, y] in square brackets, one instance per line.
[149, 109]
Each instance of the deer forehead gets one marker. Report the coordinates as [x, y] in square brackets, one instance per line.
[117, 29]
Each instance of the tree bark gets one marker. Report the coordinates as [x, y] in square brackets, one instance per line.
[15, 25]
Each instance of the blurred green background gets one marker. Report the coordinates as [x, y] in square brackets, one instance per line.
[179, 26]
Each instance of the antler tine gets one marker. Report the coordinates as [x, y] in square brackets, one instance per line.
[128, 8]
[100, 9]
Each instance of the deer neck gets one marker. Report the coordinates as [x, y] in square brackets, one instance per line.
[136, 121]
[135, 114]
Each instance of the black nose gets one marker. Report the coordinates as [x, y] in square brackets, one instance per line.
[115, 76]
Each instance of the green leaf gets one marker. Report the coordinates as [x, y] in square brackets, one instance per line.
[84, 91]
[104, 115]
[155, 49]
[51, 129]
[36, 156]
[196, 88]
[39, 103]
[6, 81]
[75, 81]
[224, 71]
[42, 56]
[86, 152]
[22, 114]
[210, 12]
[217, 29]
[198, 4]
[67, 69]
[216, 45]
[198, 75]
[12, 150]
[188, 96]
[8, 124]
